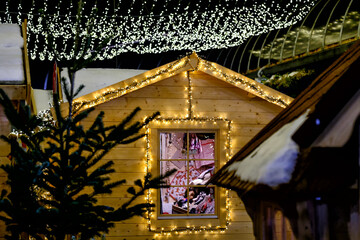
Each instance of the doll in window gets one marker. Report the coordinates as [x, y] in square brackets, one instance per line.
[194, 145]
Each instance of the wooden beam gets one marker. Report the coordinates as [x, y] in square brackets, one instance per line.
[15, 92]
[301, 61]
[27, 68]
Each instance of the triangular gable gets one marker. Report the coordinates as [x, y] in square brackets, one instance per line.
[324, 97]
[244, 83]
[188, 63]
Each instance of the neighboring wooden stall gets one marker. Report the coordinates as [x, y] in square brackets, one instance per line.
[313, 178]
[4, 151]
[14, 80]
[195, 97]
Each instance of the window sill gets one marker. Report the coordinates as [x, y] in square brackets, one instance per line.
[187, 217]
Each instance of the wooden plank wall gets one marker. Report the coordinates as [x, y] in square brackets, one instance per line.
[4, 151]
[211, 98]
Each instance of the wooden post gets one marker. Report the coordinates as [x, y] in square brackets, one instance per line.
[305, 220]
[322, 224]
[29, 93]
[24, 236]
[357, 237]
[269, 213]
[283, 227]
[59, 84]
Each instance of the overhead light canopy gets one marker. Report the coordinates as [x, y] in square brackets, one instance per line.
[152, 26]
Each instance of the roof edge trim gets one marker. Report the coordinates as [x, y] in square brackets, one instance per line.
[189, 63]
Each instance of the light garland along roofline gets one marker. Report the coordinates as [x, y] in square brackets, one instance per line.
[134, 83]
[188, 63]
[245, 83]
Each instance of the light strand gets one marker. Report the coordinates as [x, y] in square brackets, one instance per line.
[182, 121]
[237, 79]
[114, 93]
[197, 28]
[190, 108]
[190, 118]
[169, 71]
[47, 120]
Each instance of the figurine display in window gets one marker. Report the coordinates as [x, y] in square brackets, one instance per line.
[194, 145]
[200, 201]
[192, 154]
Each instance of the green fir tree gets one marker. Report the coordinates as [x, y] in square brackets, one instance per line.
[55, 181]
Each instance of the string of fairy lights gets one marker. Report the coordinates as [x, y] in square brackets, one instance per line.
[251, 86]
[190, 118]
[47, 121]
[149, 26]
[108, 95]
[170, 70]
[196, 121]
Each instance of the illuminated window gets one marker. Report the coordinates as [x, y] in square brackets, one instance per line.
[194, 156]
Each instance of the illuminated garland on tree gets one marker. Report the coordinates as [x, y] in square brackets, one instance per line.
[45, 116]
[149, 26]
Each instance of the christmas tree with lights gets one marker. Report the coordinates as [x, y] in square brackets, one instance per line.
[58, 171]
[55, 175]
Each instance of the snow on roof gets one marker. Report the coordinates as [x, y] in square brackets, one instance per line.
[97, 78]
[272, 162]
[10, 36]
[11, 59]
[43, 99]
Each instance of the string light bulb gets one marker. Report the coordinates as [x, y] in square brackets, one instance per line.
[181, 121]
[198, 27]
[170, 70]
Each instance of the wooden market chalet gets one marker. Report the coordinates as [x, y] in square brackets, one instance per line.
[218, 110]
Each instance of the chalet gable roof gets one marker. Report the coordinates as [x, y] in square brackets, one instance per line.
[186, 64]
[325, 98]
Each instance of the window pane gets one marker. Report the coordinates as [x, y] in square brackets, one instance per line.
[173, 200]
[202, 200]
[179, 177]
[202, 145]
[192, 155]
[173, 145]
[201, 172]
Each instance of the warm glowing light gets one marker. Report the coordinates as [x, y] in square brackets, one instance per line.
[172, 68]
[198, 121]
[248, 84]
[109, 94]
[146, 30]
